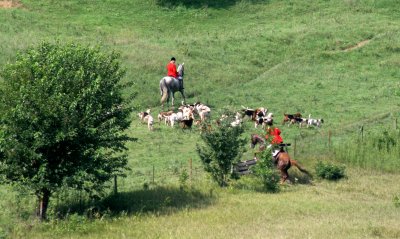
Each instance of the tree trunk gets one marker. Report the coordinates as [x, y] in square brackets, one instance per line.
[43, 199]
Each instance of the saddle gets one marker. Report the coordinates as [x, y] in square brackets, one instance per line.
[180, 80]
[275, 155]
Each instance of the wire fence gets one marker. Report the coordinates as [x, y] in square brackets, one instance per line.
[373, 143]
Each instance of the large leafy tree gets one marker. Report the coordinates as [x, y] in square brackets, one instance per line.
[62, 120]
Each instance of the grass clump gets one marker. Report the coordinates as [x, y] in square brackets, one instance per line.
[329, 171]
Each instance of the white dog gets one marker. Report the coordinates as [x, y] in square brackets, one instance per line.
[150, 122]
[164, 116]
[238, 120]
[146, 117]
[174, 118]
[202, 110]
[267, 120]
[314, 122]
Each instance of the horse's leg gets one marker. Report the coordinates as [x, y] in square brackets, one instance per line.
[172, 98]
[164, 97]
[284, 175]
[183, 96]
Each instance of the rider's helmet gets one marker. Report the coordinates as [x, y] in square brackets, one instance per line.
[173, 59]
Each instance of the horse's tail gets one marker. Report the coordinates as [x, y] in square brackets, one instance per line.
[163, 90]
[162, 86]
[295, 163]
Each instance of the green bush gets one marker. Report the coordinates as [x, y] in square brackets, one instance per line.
[265, 170]
[221, 147]
[183, 178]
[329, 171]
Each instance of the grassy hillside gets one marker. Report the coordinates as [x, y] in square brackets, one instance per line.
[337, 60]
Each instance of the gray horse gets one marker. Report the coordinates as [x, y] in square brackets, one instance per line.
[169, 85]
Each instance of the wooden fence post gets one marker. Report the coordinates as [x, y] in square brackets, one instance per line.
[115, 185]
[362, 133]
[153, 175]
[190, 171]
[80, 201]
[294, 147]
[329, 139]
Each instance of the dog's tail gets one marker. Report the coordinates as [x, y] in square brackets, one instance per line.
[296, 164]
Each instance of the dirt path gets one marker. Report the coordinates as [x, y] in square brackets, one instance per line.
[9, 4]
[358, 45]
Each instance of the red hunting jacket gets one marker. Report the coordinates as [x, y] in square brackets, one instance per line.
[276, 134]
[171, 67]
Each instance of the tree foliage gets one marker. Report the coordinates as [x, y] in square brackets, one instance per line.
[222, 146]
[62, 119]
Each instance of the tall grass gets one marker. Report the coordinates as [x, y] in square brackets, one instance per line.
[376, 150]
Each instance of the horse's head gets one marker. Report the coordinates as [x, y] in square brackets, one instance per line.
[255, 139]
[181, 69]
[253, 142]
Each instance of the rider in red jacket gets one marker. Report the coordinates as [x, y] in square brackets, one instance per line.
[275, 133]
[171, 67]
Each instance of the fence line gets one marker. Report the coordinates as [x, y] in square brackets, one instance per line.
[301, 148]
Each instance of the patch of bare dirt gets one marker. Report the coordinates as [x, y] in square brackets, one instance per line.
[358, 45]
[9, 4]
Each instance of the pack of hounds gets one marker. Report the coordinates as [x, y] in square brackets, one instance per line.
[188, 115]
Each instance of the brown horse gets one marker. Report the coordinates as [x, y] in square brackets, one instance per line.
[281, 160]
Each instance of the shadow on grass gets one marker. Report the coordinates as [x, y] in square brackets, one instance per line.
[296, 176]
[203, 3]
[160, 200]
[253, 183]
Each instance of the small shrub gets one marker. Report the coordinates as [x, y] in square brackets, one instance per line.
[329, 171]
[183, 178]
[387, 141]
[266, 171]
[221, 147]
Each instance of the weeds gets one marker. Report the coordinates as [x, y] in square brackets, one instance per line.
[329, 171]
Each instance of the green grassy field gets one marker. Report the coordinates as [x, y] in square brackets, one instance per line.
[337, 60]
